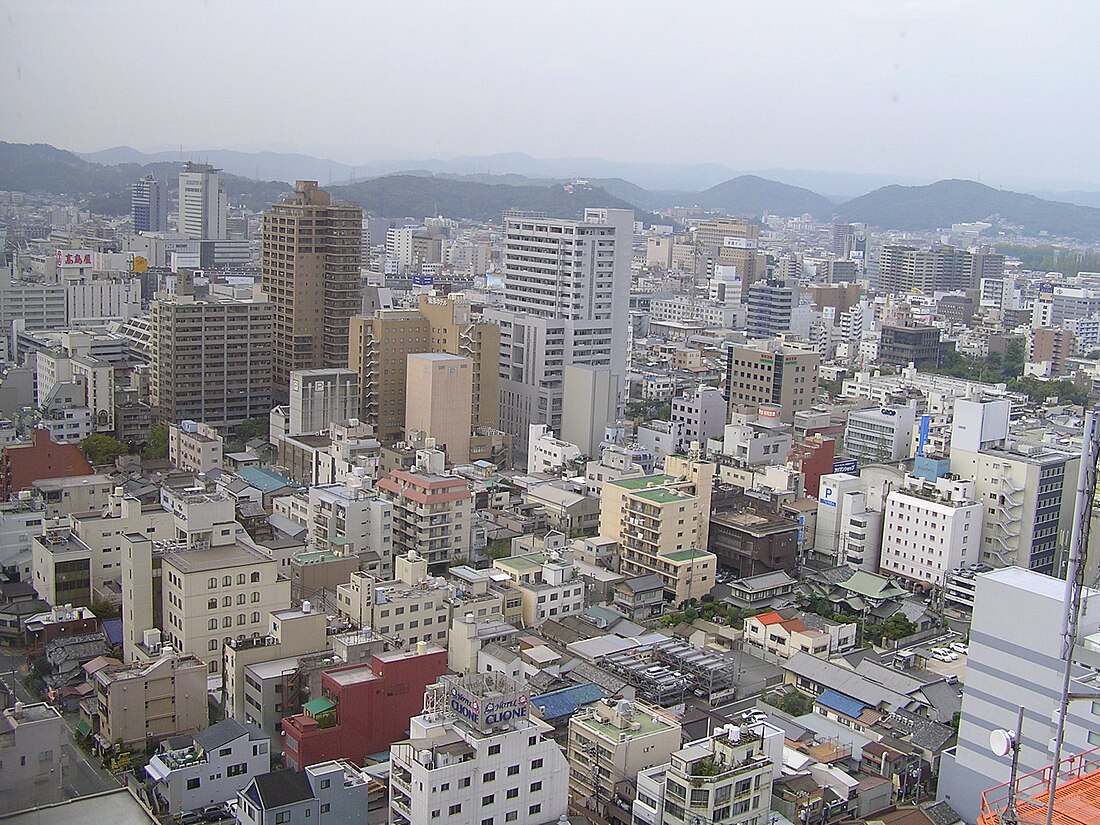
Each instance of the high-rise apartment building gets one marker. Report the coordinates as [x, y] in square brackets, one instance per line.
[211, 358]
[149, 205]
[770, 373]
[310, 271]
[380, 345]
[941, 268]
[566, 301]
[204, 208]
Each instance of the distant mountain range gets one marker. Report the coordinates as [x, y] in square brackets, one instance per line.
[479, 189]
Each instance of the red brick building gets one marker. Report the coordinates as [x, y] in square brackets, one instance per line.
[814, 458]
[362, 708]
[23, 464]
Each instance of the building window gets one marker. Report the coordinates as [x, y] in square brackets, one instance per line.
[536, 786]
[212, 604]
[489, 776]
[240, 578]
[536, 764]
[487, 800]
[212, 584]
[241, 598]
[534, 809]
[511, 816]
[494, 750]
[227, 581]
[213, 644]
[281, 817]
[193, 783]
[255, 617]
[512, 793]
[255, 578]
[513, 770]
[324, 807]
[212, 624]
[454, 809]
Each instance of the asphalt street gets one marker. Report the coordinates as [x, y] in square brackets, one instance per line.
[74, 775]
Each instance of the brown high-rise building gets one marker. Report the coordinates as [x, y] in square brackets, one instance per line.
[381, 343]
[941, 268]
[310, 268]
[730, 242]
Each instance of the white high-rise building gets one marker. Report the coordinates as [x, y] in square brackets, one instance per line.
[477, 756]
[566, 302]
[204, 208]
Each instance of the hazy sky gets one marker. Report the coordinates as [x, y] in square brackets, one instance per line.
[930, 88]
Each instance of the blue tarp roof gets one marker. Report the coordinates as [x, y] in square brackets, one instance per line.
[564, 702]
[841, 703]
[113, 629]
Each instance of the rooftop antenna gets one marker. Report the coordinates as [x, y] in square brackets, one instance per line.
[1003, 742]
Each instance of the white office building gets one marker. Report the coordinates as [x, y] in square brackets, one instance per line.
[320, 397]
[477, 756]
[203, 207]
[880, 434]
[930, 529]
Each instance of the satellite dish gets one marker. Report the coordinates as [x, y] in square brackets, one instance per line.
[1002, 742]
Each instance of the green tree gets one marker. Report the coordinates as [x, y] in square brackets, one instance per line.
[102, 449]
[156, 445]
[796, 704]
[499, 549]
[103, 609]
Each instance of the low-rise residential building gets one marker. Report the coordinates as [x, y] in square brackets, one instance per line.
[349, 518]
[208, 767]
[640, 598]
[194, 446]
[548, 455]
[412, 607]
[549, 583]
[331, 793]
[776, 635]
[150, 701]
[476, 755]
[75, 494]
[614, 740]
[362, 708]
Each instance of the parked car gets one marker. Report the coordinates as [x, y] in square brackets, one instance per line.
[214, 813]
[190, 818]
[960, 647]
[951, 679]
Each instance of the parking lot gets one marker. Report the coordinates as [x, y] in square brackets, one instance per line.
[956, 668]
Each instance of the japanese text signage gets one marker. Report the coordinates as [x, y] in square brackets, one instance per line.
[72, 258]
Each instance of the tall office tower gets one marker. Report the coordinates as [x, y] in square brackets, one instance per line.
[149, 205]
[211, 358]
[771, 304]
[379, 346]
[310, 272]
[730, 242]
[843, 236]
[566, 301]
[769, 373]
[906, 268]
[204, 208]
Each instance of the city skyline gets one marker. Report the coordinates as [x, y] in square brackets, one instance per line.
[850, 87]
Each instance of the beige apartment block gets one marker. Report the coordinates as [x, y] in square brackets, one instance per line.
[379, 346]
[411, 608]
[614, 739]
[774, 375]
[661, 523]
[152, 700]
[194, 446]
[438, 399]
[310, 270]
[291, 632]
[431, 512]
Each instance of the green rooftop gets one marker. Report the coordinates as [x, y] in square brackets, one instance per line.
[649, 725]
[643, 482]
[318, 706]
[661, 495]
[521, 564]
[872, 586]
